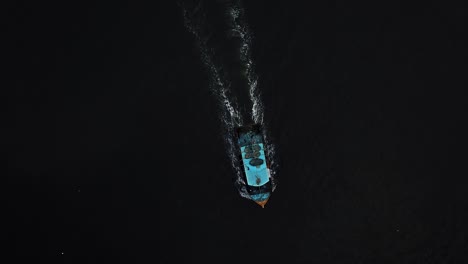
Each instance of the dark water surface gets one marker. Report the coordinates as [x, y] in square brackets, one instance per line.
[115, 151]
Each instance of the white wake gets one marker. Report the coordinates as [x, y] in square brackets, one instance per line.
[240, 29]
[230, 115]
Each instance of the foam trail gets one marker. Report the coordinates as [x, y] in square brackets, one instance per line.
[218, 85]
[230, 116]
[240, 29]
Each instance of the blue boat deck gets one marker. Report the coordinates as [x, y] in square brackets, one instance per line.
[254, 161]
[256, 171]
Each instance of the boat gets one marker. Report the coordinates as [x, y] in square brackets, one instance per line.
[255, 163]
